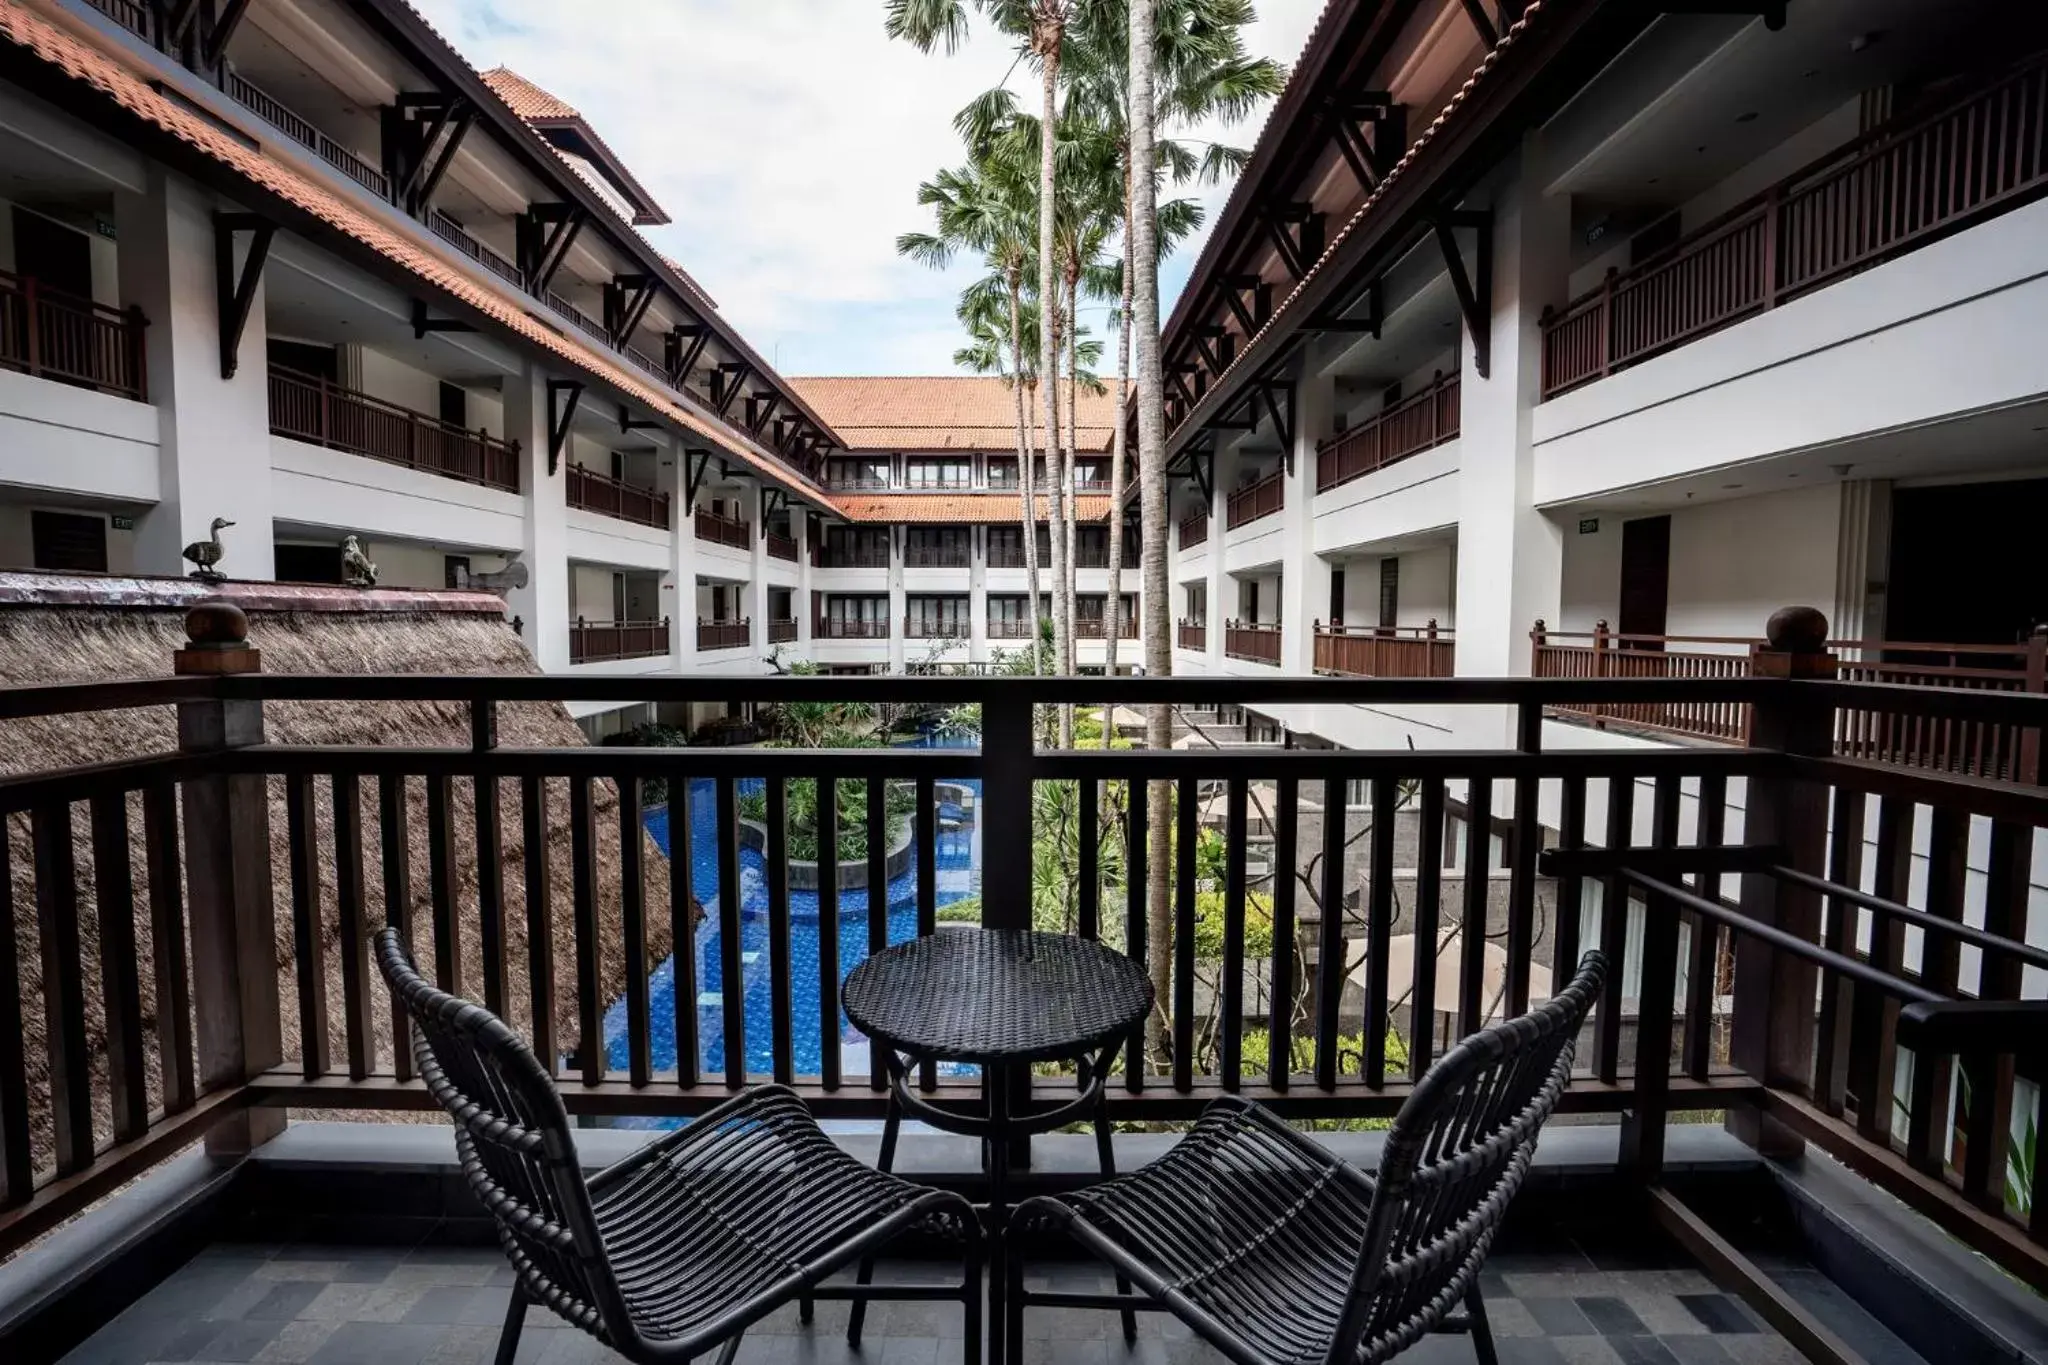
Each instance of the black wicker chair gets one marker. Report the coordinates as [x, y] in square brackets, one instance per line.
[1278, 1253]
[686, 1243]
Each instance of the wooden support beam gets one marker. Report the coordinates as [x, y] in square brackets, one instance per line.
[222, 32]
[1271, 392]
[681, 349]
[422, 324]
[726, 384]
[1474, 289]
[628, 423]
[1475, 10]
[626, 301]
[563, 397]
[703, 463]
[545, 233]
[235, 290]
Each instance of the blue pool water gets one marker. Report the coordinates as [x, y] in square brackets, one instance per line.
[956, 876]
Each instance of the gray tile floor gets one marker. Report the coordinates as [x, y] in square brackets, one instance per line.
[333, 1305]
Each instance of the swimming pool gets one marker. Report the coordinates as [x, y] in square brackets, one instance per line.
[957, 875]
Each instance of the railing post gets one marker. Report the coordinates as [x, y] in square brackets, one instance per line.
[1601, 646]
[1771, 1029]
[1769, 253]
[237, 1023]
[1006, 759]
[1607, 319]
[2037, 682]
[32, 310]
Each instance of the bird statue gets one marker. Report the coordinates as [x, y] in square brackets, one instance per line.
[356, 569]
[207, 553]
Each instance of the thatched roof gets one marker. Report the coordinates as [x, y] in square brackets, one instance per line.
[71, 642]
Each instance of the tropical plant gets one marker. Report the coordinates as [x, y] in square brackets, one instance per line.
[801, 809]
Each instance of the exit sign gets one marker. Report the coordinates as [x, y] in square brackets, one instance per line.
[123, 523]
[1589, 526]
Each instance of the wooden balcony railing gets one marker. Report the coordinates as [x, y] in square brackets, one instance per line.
[935, 627]
[1742, 994]
[278, 116]
[1259, 644]
[1409, 427]
[781, 546]
[1010, 627]
[851, 628]
[728, 531]
[853, 557]
[954, 556]
[861, 484]
[1008, 556]
[782, 632]
[1097, 627]
[53, 335]
[1192, 635]
[596, 642]
[453, 233]
[1373, 652]
[1954, 746]
[594, 492]
[1194, 529]
[727, 634]
[306, 408]
[1884, 194]
[1261, 499]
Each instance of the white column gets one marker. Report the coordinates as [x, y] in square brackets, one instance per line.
[898, 644]
[757, 585]
[214, 456]
[977, 594]
[806, 609]
[1222, 601]
[1305, 575]
[1510, 556]
[679, 577]
[544, 602]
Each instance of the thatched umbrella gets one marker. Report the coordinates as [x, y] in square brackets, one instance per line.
[51, 632]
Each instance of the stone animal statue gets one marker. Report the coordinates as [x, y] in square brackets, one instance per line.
[508, 579]
[356, 569]
[206, 554]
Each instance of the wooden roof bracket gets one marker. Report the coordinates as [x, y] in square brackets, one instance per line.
[1474, 289]
[563, 397]
[696, 480]
[236, 291]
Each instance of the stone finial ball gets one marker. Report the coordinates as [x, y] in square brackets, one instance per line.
[1797, 630]
[217, 622]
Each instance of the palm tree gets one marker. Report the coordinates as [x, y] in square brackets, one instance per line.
[983, 207]
[1041, 27]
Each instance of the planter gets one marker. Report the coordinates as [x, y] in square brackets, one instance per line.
[853, 873]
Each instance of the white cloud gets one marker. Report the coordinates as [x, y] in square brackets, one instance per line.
[787, 139]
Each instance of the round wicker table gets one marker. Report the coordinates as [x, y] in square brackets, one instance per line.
[1001, 999]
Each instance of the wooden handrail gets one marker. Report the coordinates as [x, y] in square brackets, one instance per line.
[1875, 197]
[1415, 424]
[308, 408]
[722, 530]
[590, 491]
[50, 334]
[1385, 651]
[593, 642]
[1255, 500]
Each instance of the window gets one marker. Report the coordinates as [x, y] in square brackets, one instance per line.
[455, 408]
[928, 617]
[856, 616]
[952, 472]
[317, 362]
[73, 542]
[858, 472]
[1197, 595]
[856, 547]
[1390, 592]
[1009, 613]
[936, 547]
[1005, 547]
[1248, 601]
[1091, 547]
[1336, 597]
[455, 570]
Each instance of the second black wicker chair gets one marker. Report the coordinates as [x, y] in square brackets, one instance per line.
[1278, 1253]
[689, 1241]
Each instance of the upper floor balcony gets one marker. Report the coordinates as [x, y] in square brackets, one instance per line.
[1385, 652]
[781, 546]
[302, 131]
[52, 335]
[1194, 529]
[596, 642]
[714, 528]
[591, 491]
[1405, 428]
[735, 633]
[321, 412]
[1879, 1027]
[1255, 642]
[1880, 196]
[1256, 500]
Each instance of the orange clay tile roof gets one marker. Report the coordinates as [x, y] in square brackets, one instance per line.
[525, 98]
[542, 111]
[958, 508]
[115, 80]
[939, 412]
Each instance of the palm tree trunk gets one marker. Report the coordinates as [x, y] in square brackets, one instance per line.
[1114, 608]
[1048, 36]
[1073, 438]
[1028, 514]
[1152, 482]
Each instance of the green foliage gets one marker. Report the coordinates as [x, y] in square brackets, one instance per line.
[1257, 1053]
[1258, 925]
[900, 802]
[653, 790]
[966, 910]
[2020, 1156]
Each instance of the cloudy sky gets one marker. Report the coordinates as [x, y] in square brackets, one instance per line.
[787, 138]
